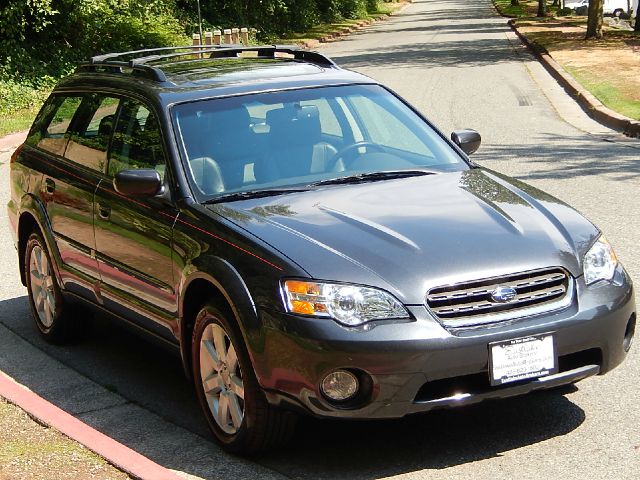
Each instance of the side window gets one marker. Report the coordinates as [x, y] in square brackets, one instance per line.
[89, 139]
[53, 122]
[137, 141]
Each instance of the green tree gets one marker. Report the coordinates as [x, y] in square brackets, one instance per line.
[18, 18]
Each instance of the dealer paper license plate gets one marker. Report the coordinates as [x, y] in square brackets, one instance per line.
[522, 358]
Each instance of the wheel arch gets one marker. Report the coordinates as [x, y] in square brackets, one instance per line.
[33, 217]
[223, 284]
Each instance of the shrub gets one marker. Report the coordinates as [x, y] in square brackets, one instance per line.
[353, 8]
[303, 14]
[372, 6]
[14, 97]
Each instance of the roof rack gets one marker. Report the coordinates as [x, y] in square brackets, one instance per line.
[114, 62]
[147, 71]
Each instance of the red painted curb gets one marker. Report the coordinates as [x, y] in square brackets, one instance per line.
[117, 454]
[585, 99]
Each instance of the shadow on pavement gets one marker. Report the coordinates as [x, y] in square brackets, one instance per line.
[463, 54]
[435, 440]
[148, 376]
[563, 157]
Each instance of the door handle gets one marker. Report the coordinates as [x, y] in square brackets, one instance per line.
[49, 186]
[104, 211]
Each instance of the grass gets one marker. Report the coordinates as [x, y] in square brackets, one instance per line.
[527, 8]
[617, 98]
[604, 67]
[319, 31]
[31, 450]
[17, 121]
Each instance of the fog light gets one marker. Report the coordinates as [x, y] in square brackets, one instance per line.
[340, 385]
[629, 332]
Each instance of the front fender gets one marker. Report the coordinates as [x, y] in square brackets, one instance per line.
[228, 281]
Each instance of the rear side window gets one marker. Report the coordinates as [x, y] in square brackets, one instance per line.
[137, 141]
[50, 128]
[91, 131]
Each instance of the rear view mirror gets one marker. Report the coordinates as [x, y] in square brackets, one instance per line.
[144, 182]
[468, 140]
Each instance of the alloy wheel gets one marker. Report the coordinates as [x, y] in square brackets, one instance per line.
[42, 286]
[221, 378]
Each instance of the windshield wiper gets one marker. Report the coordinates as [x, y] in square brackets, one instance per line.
[373, 177]
[234, 196]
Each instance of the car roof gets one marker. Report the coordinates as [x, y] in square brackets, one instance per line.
[181, 75]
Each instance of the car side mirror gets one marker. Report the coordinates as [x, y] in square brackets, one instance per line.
[143, 182]
[468, 140]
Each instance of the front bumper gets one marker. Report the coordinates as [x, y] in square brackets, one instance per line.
[419, 365]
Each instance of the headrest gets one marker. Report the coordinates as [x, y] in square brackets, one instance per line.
[294, 125]
[219, 134]
[106, 125]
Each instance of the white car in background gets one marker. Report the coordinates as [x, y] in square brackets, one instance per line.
[574, 5]
[611, 7]
[616, 7]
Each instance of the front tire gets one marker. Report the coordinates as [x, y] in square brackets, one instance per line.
[57, 322]
[233, 403]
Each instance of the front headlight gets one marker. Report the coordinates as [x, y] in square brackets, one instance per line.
[348, 304]
[600, 262]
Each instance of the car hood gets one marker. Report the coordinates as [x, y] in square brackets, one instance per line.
[411, 234]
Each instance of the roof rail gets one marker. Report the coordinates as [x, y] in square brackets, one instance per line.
[263, 51]
[110, 56]
[139, 64]
[148, 71]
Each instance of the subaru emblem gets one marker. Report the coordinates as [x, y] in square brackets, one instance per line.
[503, 294]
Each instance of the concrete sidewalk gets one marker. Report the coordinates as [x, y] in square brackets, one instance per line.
[187, 454]
[10, 142]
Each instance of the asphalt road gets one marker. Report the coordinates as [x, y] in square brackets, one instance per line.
[456, 61]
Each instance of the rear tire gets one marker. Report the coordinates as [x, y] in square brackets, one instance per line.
[57, 321]
[236, 409]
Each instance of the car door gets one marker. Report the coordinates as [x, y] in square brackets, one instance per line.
[134, 235]
[69, 184]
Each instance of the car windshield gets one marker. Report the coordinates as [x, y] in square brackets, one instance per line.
[307, 137]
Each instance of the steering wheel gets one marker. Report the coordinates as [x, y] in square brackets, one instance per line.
[354, 146]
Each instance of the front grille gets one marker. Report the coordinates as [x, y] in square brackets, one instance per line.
[472, 302]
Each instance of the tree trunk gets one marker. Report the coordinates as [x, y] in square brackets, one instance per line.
[637, 27]
[542, 8]
[594, 22]
[515, 3]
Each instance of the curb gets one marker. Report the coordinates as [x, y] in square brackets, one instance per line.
[594, 107]
[117, 454]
